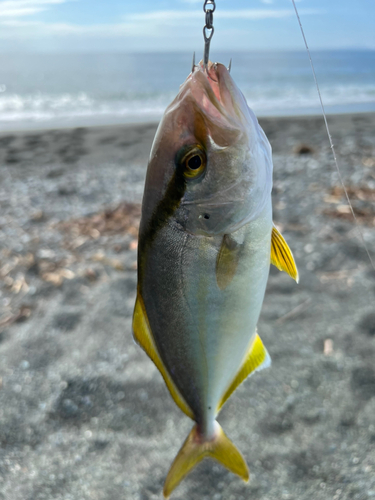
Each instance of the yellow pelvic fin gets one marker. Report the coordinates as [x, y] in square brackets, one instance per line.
[227, 261]
[143, 337]
[256, 359]
[281, 255]
[195, 449]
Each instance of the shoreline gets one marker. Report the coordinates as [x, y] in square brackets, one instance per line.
[123, 142]
[112, 121]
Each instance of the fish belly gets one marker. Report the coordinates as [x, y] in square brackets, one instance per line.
[203, 332]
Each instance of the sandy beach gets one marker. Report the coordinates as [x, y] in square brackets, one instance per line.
[84, 414]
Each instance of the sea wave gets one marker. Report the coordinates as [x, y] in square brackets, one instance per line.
[293, 98]
[44, 108]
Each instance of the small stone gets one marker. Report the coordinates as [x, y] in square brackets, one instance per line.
[70, 409]
[37, 216]
[25, 365]
[367, 324]
[303, 149]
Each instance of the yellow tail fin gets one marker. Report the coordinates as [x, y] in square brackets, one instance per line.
[195, 448]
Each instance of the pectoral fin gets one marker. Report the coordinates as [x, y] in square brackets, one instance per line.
[143, 337]
[281, 255]
[227, 261]
[256, 359]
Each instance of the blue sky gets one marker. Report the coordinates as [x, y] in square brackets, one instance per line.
[153, 25]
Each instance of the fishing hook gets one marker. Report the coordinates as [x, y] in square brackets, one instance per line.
[208, 30]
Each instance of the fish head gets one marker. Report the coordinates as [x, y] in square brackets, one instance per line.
[210, 168]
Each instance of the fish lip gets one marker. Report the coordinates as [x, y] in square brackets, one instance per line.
[211, 66]
[211, 94]
[217, 96]
[213, 78]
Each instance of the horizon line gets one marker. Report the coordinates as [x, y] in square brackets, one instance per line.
[185, 51]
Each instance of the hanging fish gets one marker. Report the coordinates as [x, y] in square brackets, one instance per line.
[205, 246]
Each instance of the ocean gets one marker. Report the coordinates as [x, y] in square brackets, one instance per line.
[63, 90]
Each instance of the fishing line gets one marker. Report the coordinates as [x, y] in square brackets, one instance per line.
[360, 232]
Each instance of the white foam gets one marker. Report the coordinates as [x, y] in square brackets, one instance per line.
[293, 98]
[43, 108]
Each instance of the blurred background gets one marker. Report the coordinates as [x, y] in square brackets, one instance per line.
[67, 63]
[83, 412]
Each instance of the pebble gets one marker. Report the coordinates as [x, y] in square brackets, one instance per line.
[85, 414]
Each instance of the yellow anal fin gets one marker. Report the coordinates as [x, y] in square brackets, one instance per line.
[143, 337]
[195, 449]
[256, 359]
[281, 255]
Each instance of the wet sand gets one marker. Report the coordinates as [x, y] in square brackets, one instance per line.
[83, 412]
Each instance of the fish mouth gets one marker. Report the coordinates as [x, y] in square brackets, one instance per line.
[210, 107]
[217, 96]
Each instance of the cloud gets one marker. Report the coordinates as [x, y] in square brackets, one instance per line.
[19, 12]
[150, 25]
[19, 8]
[263, 13]
[175, 15]
[15, 4]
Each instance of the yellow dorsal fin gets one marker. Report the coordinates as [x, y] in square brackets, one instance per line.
[281, 255]
[195, 448]
[143, 337]
[256, 359]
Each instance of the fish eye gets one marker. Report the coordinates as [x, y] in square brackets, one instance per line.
[193, 161]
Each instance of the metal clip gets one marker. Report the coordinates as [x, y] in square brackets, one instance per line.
[208, 30]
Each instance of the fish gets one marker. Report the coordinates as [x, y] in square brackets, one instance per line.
[206, 241]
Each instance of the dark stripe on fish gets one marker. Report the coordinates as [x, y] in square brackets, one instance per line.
[164, 210]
